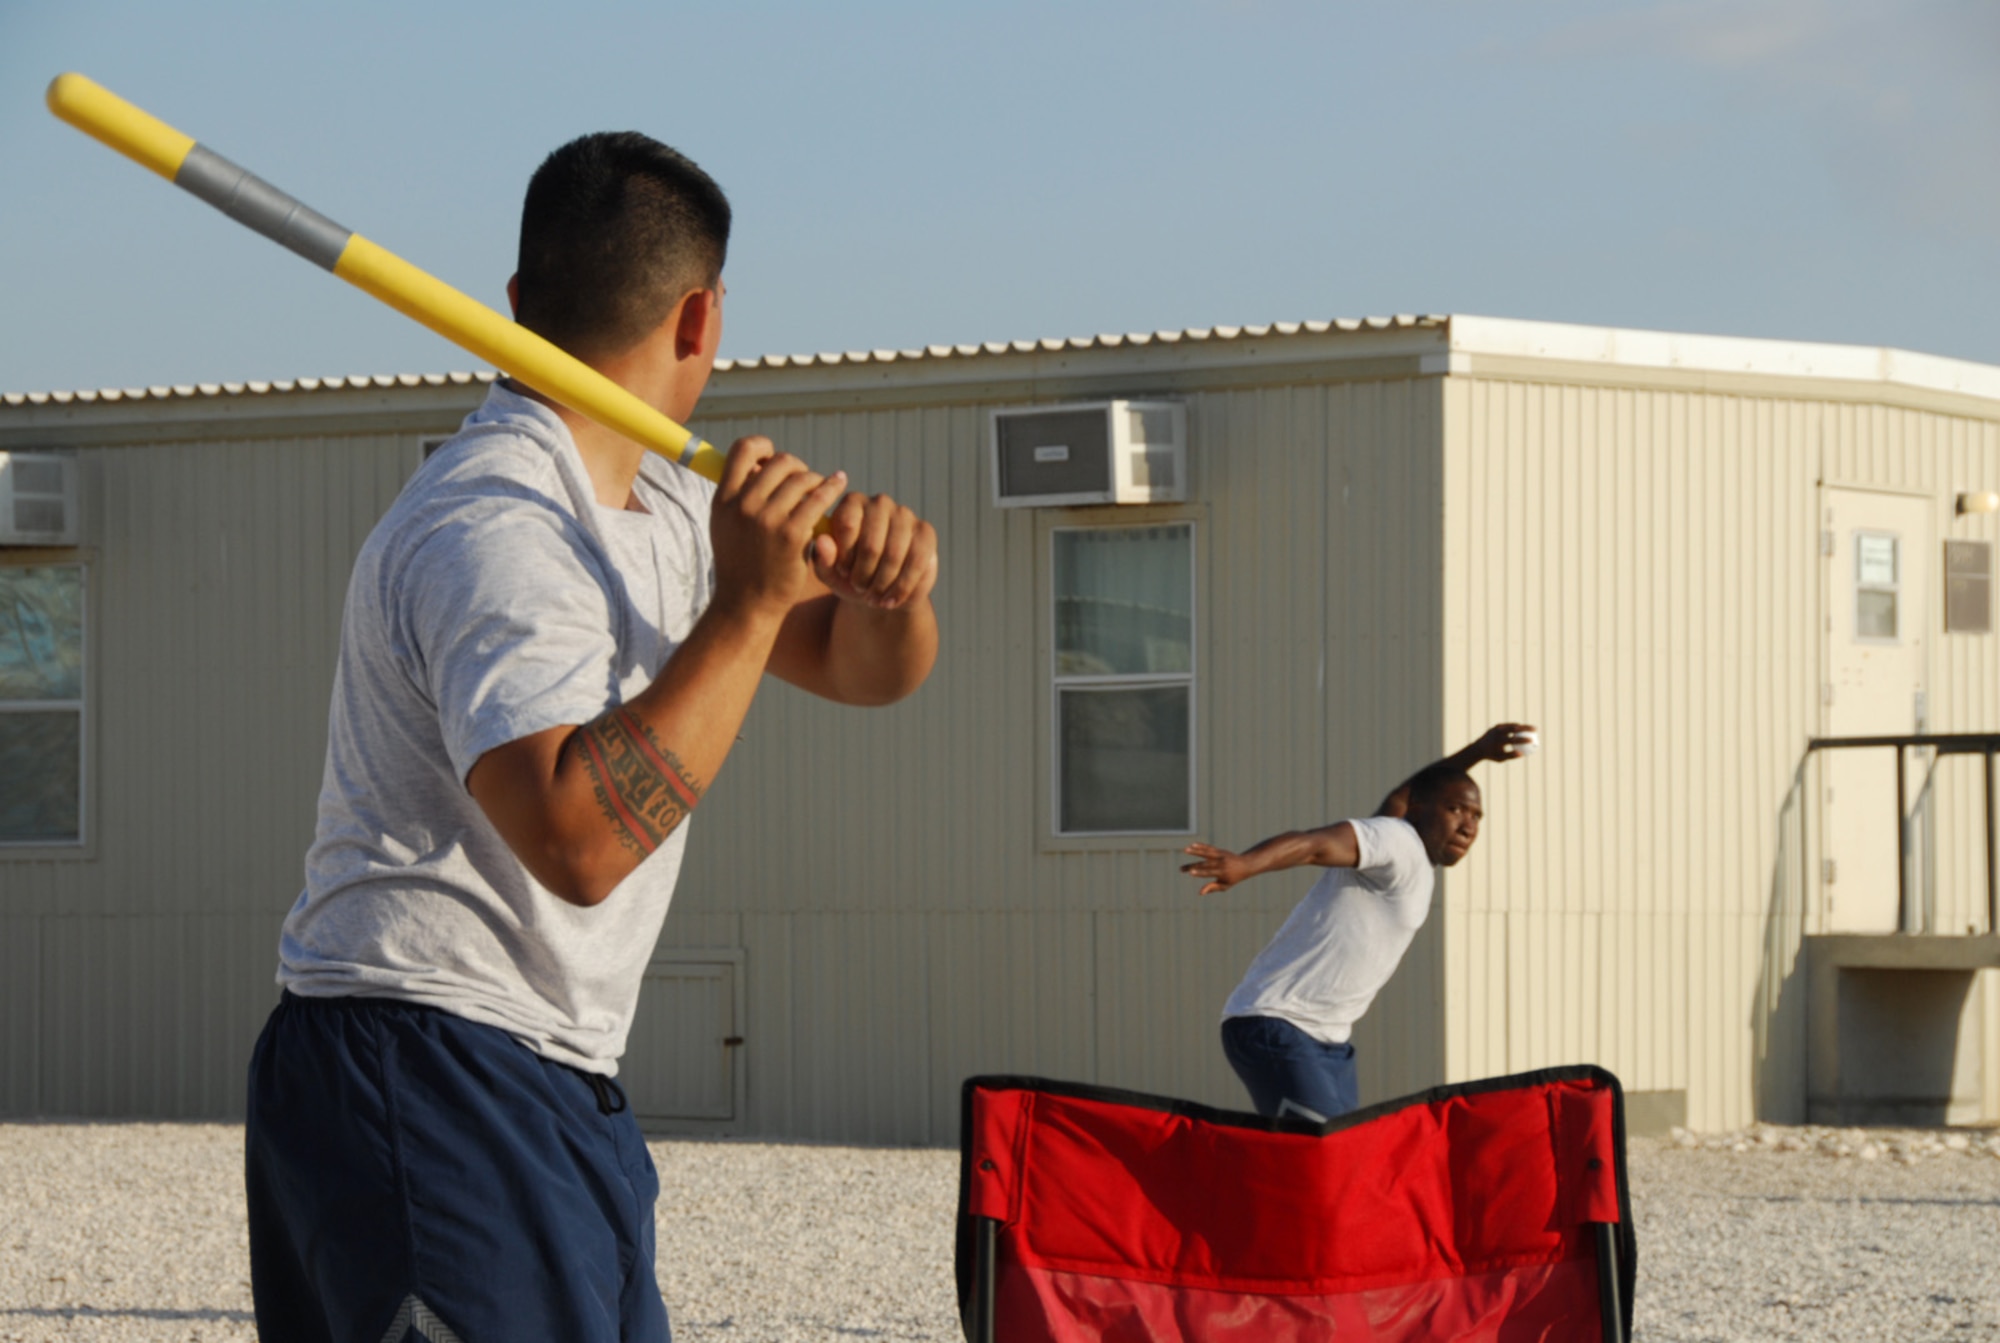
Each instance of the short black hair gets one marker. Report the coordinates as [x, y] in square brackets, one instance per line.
[1431, 780]
[616, 229]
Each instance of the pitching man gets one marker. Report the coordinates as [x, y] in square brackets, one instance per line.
[1286, 1029]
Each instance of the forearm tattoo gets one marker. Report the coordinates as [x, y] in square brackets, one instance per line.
[642, 788]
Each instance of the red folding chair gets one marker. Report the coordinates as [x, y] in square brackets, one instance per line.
[1494, 1210]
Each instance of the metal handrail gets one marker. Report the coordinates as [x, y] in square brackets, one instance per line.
[1944, 743]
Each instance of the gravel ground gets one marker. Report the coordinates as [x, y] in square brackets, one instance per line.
[1781, 1233]
[135, 1232]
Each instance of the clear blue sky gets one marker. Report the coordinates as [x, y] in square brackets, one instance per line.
[908, 174]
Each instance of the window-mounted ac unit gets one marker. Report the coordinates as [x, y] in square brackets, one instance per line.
[1090, 452]
[37, 499]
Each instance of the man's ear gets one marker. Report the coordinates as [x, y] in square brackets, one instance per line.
[698, 323]
[514, 295]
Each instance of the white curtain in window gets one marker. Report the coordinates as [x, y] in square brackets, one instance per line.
[1124, 601]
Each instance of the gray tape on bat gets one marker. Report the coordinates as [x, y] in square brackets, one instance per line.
[251, 200]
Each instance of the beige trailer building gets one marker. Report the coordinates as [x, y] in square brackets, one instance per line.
[1350, 547]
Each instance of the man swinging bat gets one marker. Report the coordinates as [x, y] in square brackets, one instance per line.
[549, 646]
[1286, 1029]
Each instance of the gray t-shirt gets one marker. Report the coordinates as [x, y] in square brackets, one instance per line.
[495, 599]
[1346, 937]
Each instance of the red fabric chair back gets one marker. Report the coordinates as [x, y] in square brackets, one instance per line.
[1478, 1211]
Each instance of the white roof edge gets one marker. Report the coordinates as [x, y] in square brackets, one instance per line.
[1100, 341]
[1459, 333]
[1625, 348]
[824, 359]
[278, 387]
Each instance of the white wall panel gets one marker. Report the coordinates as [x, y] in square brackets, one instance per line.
[1009, 993]
[860, 1059]
[20, 1015]
[1162, 977]
[218, 570]
[153, 1015]
[1636, 569]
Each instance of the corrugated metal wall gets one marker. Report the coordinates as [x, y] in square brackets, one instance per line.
[1387, 562]
[1638, 570]
[136, 977]
[907, 921]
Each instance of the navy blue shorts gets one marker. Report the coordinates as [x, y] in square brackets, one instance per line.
[416, 1176]
[1286, 1071]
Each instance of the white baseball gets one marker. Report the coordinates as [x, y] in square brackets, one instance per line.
[1527, 743]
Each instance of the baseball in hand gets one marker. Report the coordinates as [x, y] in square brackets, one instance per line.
[1527, 743]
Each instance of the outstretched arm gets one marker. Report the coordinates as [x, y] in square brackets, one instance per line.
[1502, 741]
[1329, 846]
[1335, 845]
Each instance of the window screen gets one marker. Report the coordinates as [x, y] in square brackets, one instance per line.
[1124, 679]
[1877, 587]
[41, 704]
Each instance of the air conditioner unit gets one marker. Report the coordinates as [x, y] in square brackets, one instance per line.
[1090, 452]
[37, 499]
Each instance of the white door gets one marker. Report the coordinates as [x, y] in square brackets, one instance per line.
[682, 1056]
[1876, 626]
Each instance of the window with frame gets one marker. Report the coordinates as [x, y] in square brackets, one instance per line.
[1123, 679]
[41, 704]
[1877, 587]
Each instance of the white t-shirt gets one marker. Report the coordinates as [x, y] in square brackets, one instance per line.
[1346, 937]
[495, 599]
